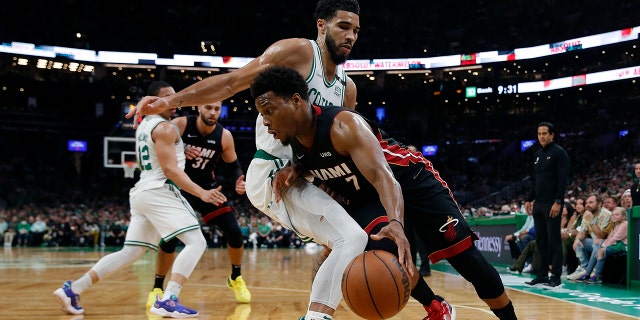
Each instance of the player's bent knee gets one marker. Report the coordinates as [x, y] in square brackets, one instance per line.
[357, 240]
[236, 241]
[169, 246]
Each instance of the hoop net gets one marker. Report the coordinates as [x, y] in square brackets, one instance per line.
[129, 169]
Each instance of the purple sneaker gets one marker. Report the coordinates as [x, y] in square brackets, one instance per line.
[172, 308]
[68, 299]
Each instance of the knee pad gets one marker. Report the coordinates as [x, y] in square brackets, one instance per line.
[169, 246]
[234, 238]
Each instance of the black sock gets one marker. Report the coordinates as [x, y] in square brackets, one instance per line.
[423, 293]
[235, 271]
[506, 313]
[159, 282]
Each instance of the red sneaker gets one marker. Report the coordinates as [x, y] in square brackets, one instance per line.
[440, 309]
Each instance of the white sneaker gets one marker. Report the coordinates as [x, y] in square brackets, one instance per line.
[577, 274]
[527, 269]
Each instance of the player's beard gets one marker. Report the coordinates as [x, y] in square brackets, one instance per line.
[206, 121]
[333, 51]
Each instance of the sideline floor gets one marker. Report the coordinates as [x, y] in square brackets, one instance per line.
[279, 280]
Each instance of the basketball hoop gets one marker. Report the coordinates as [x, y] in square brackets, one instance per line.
[129, 169]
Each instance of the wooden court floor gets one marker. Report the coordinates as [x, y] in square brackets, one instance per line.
[279, 280]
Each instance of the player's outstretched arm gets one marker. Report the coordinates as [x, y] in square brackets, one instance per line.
[351, 135]
[294, 53]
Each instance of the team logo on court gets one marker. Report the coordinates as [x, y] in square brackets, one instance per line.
[449, 228]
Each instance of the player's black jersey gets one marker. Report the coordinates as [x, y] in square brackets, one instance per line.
[340, 173]
[200, 169]
[325, 163]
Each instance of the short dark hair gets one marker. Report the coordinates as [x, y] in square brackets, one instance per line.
[154, 87]
[326, 9]
[283, 81]
[549, 125]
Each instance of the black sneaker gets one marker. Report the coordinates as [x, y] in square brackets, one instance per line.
[537, 280]
[514, 270]
[553, 282]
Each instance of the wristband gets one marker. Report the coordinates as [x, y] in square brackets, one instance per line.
[398, 221]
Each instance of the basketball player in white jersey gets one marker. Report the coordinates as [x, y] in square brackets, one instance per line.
[158, 210]
[305, 209]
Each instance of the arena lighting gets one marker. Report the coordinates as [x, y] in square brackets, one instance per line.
[359, 73]
[427, 71]
[192, 68]
[471, 67]
[134, 66]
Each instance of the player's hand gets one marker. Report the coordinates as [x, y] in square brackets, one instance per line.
[192, 153]
[395, 232]
[283, 179]
[148, 105]
[240, 185]
[214, 196]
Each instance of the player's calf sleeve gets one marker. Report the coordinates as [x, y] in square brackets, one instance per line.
[506, 313]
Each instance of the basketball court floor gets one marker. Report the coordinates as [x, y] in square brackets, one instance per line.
[279, 280]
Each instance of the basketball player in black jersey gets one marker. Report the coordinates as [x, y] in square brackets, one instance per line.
[356, 159]
[208, 147]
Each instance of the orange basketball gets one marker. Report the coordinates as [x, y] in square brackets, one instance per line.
[375, 285]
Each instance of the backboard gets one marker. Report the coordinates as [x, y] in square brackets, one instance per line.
[117, 150]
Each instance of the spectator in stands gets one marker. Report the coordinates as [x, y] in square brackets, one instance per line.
[596, 221]
[264, 228]
[244, 229]
[635, 188]
[254, 229]
[626, 200]
[217, 237]
[117, 234]
[518, 240]
[10, 234]
[91, 230]
[23, 232]
[530, 253]
[569, 233]
[610, 202]
[615, 243]
[294, 239]
[4, 225]
[37, 230]
[276, 237]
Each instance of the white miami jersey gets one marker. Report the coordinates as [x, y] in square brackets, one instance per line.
[152, 176]
[321, 92]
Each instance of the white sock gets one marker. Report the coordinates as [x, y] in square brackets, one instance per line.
[81, 284]
[314, 315]
[173, 288]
